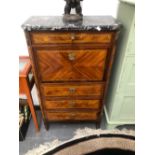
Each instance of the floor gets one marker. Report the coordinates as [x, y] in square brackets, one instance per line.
[61, 131]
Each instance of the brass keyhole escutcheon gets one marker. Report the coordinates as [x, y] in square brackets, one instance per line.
[71, 56]
[73, 115]
[73, 36]
[72, 90]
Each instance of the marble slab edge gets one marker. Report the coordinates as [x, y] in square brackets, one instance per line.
[54, 23]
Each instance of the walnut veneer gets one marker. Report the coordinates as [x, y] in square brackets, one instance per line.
[72, 70]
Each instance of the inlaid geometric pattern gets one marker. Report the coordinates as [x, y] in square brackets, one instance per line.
[71, 65]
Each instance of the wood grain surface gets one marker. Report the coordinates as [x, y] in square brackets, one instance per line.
[70, 37]
[70, 104]
[72, 89]
[75, 115]
[71, 65]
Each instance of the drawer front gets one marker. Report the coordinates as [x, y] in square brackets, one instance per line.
[69, 104]
[71, 65]
[63, 90]
[62, 116]
[69, 37]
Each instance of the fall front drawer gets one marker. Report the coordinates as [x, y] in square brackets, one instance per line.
[70, 37]
[78, 89]
[69, 104]
[62, 116]
[71, 65]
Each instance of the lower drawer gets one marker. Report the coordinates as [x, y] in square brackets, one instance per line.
[65, 104]
[76, 89]
[79, 116]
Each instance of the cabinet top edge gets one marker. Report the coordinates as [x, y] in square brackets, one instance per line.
[55, 23]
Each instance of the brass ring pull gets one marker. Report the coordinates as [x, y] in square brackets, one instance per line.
[72, 90]
[71, 56]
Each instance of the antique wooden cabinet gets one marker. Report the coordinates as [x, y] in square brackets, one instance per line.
[72, 65]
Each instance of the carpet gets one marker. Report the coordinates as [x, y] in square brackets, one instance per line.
[91, 142]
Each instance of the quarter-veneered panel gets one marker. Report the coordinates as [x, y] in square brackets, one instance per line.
[71, 65]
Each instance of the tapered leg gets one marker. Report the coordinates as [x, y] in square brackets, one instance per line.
[30, 103]
[98, 123]
[46, 124]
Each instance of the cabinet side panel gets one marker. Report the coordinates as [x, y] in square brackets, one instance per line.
[34, 70]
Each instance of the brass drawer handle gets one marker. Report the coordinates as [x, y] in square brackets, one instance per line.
[71, 56]
[72, 90]
[73, 36]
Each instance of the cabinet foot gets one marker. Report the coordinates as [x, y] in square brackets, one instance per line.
[46, 124]
[111, 126]
[98, 125]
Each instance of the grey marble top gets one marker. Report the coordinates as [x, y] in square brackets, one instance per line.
[55, 23]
